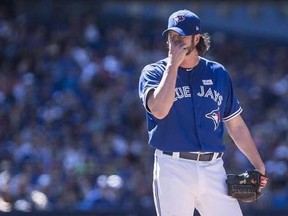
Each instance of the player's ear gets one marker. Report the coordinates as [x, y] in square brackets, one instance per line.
[197, 38]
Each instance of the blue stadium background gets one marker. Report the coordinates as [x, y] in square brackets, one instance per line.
[72, 130]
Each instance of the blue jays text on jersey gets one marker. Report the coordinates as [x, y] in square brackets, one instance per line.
[204, 99]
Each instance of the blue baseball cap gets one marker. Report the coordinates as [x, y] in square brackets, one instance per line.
[184, 22]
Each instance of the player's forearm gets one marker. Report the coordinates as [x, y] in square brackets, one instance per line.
[162, 99]
[246, 145]
[243, 140]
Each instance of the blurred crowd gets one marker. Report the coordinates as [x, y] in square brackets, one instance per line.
[72, 128]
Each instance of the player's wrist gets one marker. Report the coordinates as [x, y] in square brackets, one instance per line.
[171, 66]
[260, 169]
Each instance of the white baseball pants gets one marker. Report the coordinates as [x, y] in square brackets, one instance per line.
[181, 185]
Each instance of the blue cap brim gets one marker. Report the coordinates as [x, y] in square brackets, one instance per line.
[176, 29]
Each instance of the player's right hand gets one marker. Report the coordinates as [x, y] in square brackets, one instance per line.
[177, 51]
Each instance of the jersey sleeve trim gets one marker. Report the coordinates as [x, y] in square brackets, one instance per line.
[233, 115]
[145, 99]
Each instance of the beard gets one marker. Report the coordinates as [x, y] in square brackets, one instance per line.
[190, 49]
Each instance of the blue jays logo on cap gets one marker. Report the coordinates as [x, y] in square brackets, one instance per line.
[184, 22]
[178, 19]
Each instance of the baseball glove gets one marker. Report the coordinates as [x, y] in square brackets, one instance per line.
[246, 186]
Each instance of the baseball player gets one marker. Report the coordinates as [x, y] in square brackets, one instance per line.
[188, 100]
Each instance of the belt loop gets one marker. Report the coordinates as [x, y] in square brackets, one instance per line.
[176, 155]
[198, 157]
[217, 155]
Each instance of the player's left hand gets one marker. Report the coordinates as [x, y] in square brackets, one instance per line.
[246, 186]
[263, 182]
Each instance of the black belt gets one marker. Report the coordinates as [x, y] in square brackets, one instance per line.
[195, 156]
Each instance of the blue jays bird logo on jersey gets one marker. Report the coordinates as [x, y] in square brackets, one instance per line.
[215, 116]
[178, 19]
